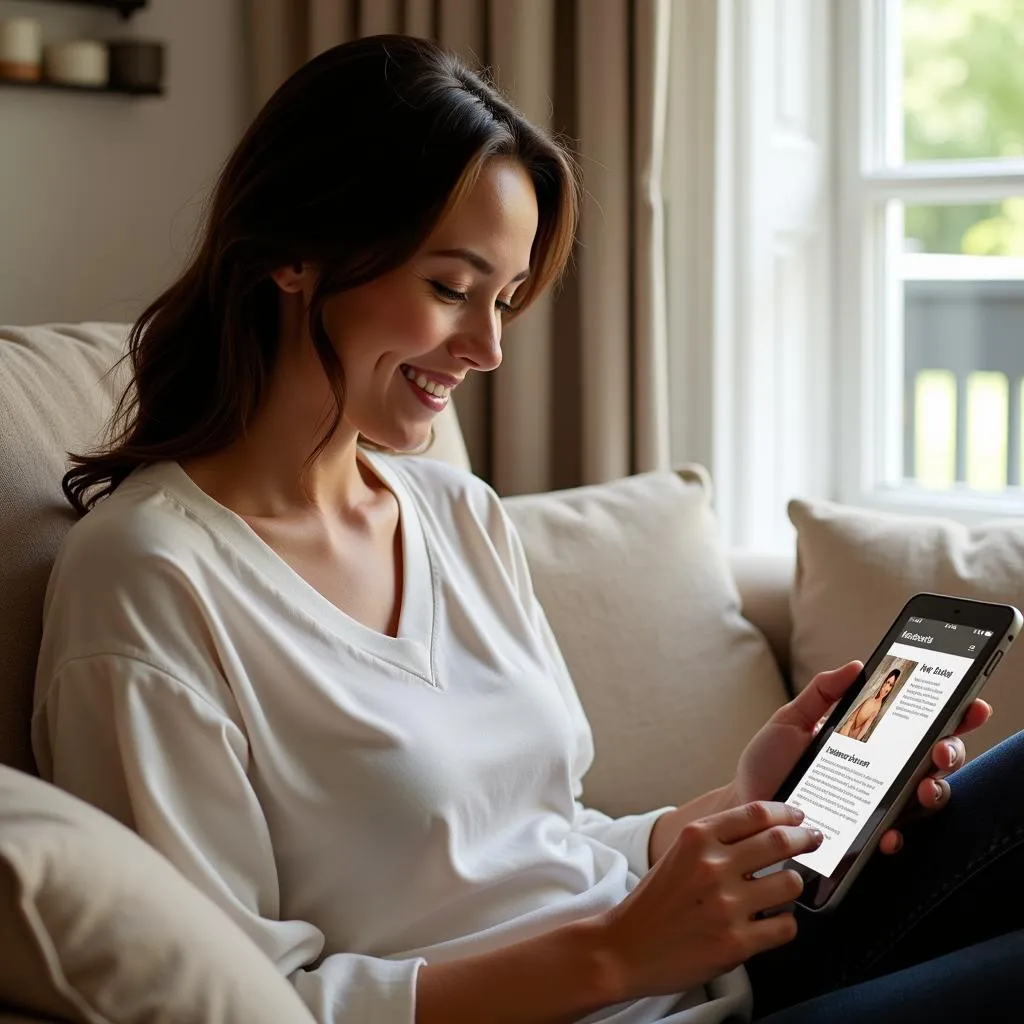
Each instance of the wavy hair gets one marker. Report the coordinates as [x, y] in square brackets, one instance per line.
[349, 166]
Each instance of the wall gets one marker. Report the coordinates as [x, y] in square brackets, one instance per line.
[100, 195]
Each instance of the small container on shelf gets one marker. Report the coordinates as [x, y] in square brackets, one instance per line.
[81, 62]
[136, 65]
[21, 50]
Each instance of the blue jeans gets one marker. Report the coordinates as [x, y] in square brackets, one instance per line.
[934, 933]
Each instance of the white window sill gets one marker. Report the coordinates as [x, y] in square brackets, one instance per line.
[964, 506]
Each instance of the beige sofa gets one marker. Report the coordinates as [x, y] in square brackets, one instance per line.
[678, 649]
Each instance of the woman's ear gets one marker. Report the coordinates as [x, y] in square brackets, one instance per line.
[293, 279]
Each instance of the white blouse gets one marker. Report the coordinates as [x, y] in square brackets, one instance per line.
[358, 803]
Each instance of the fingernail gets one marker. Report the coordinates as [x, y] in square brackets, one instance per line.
[938, 791]
[816, 836]
[951, 755]
[798, 814]
[899, 844]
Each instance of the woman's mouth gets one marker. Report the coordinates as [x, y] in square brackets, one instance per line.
[431, 393]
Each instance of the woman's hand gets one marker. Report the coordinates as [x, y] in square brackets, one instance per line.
[692, 917]
[933, 790]
[771, 754]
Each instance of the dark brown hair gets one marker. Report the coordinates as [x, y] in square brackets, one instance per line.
[349, 167]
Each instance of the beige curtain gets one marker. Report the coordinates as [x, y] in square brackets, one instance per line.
[582, 394]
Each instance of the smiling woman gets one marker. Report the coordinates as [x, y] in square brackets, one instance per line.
[431, 175]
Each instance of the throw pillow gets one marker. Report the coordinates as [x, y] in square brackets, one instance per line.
[637, 588]
[97, 928]
[856, 569]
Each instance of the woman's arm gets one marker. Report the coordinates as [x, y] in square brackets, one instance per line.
[569, 976]
[158, 756]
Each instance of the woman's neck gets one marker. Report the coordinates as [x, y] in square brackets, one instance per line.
[266, 471]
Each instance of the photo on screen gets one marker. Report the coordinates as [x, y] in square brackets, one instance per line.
[877, 696]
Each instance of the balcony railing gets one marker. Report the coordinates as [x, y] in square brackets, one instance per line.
[964, 316]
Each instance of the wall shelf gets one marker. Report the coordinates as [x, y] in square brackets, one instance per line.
[108, 90]
[126, 8]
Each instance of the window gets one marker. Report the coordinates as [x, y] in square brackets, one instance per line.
[930, 239]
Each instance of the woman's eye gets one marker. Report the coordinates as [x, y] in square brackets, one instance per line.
[448, 294]
[454, 295]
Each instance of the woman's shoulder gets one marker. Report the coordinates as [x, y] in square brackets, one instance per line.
[144, 517]
[142, 543]
[126, 579]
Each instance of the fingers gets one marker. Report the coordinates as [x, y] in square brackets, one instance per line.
[774, 890]
[977, 714]
[779, 843]
[891, 842]
[809, 706]
[948, 755]
[933, 793]
[747, 820]
[771, 932]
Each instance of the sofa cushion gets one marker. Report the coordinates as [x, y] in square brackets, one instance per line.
[637, 588]
[97, 928]
[53, 397]
[856, 569]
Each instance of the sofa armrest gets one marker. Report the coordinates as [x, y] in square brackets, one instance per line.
[765, 582]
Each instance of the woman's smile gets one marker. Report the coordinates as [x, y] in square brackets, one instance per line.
[429, 389]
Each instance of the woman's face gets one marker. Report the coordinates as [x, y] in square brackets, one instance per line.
[408, 338]
[887, 687]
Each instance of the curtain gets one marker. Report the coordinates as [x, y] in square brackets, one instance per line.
[582, 393]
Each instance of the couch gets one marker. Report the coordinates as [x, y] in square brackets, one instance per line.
[679, 649]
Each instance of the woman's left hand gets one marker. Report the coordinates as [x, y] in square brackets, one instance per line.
[778, 745]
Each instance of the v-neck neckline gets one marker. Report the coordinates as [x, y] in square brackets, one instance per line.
[413, 647]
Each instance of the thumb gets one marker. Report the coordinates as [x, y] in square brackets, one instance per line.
[812, 704]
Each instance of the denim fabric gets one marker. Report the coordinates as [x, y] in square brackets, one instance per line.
[928, 934]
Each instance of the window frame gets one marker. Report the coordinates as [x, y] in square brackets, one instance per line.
[868, 299]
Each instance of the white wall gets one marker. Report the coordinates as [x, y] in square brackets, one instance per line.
[100, 195]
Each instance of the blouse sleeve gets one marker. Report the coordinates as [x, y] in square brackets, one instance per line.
[162, 759]
[631, 833]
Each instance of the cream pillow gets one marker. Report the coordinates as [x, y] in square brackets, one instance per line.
[97, 928]
[638, 591]
[856, 569]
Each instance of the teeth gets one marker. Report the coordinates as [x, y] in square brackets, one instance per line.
[431, 388]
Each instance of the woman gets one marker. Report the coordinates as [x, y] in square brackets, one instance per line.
[316, 676]
[859, 723]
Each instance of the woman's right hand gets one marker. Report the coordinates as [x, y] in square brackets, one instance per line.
[692, 916]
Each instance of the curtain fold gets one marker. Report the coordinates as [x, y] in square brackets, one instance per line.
[652, 33]
[522, 43]
[582, 395]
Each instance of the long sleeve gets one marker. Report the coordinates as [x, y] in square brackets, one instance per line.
[160, 757]
[629, 834]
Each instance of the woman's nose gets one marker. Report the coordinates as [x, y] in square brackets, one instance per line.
[480, 346]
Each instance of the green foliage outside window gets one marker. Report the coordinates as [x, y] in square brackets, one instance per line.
[963, 98]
